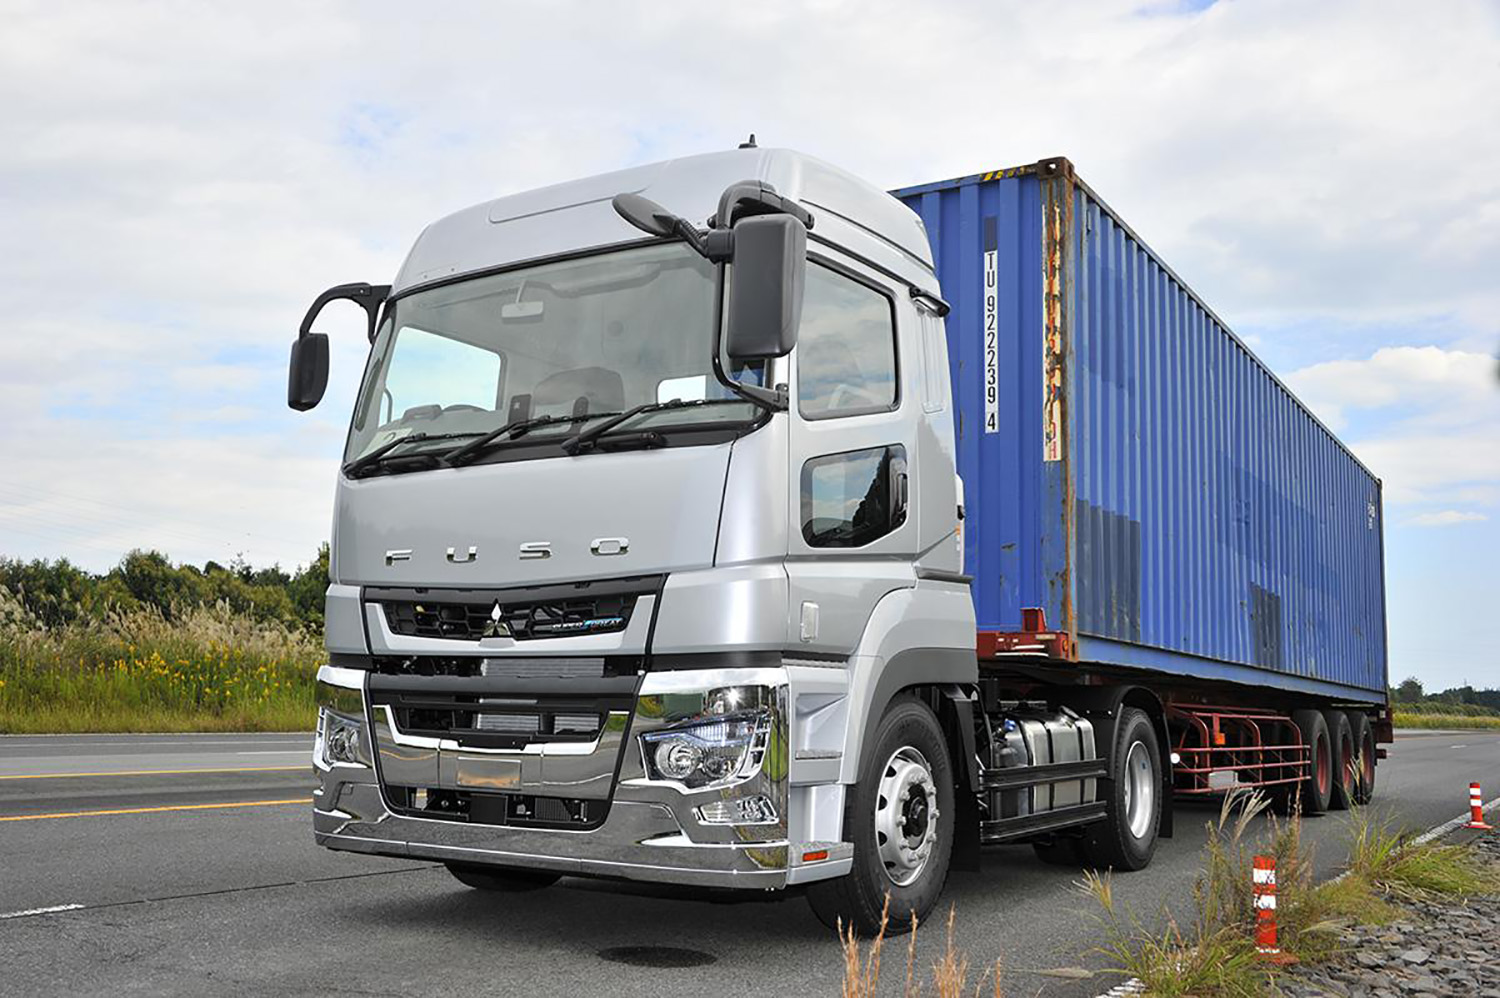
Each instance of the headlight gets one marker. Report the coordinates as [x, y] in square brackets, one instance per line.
[711, 753]
[340, 740]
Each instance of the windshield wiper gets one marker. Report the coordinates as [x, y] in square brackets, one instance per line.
[515, 428]
[587, 437]
[370, 460]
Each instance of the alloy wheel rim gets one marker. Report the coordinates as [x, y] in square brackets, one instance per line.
[906, 816]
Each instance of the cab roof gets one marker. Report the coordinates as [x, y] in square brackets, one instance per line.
[577, 215]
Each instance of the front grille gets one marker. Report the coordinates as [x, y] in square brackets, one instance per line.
[523, 614]
[493, 710]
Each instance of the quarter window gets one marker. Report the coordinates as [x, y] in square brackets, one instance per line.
[846, 348]
[851, 499]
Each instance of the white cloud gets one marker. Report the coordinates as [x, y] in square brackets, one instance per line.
[1446, 518]
[1453, 384]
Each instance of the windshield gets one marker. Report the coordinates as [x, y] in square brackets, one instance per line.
[584, 337]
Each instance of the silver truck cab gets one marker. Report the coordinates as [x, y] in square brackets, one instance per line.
[646, 526]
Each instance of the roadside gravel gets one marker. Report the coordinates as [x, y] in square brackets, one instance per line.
[1439, 950]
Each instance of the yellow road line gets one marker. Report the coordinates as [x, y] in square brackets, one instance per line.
[160, 772]
[148, 810]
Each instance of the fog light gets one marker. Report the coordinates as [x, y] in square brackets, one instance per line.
[757, 810]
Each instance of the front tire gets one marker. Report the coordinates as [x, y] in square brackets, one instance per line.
[899, 817]
[502, 880]
[1126, 840]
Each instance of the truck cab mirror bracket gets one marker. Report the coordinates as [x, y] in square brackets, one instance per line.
[307, 372]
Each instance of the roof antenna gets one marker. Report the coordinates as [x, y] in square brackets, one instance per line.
[749, 143]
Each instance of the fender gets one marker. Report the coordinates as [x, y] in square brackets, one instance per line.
[909, 641]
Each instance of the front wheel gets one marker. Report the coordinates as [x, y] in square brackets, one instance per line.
[502, 880]
[899, 817]
[1126, 839]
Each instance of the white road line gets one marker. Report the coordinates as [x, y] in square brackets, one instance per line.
[1134, 986]
[284, 751]
[40, 911]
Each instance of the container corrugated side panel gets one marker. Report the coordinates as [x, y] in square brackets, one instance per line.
[1217, 529]
[1216, 518]
[1003, 484]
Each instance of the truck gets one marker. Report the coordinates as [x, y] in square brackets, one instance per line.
[730, 521]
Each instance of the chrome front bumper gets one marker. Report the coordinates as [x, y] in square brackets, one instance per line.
[652, 831]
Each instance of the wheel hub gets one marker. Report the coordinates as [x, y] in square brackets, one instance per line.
[906, 815]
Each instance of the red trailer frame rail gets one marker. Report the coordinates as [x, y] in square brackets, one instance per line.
[1260, 747]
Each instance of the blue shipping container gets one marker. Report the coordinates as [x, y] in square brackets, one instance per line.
[1129, 465]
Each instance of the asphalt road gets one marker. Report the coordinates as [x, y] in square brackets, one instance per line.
[170, 891]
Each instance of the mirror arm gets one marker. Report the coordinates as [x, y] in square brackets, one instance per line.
[367, 296]
[931, 301]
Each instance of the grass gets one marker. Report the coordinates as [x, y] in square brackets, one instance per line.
[209, 670]
[1214, 956]
[950, 971]
[1406, 719]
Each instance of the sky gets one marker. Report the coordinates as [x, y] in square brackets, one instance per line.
[178, 181]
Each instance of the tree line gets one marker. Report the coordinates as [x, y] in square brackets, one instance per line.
[1411, 690]
[58, 593]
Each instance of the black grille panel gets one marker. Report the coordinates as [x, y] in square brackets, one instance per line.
[523, 614]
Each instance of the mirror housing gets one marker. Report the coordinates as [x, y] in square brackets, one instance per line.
[307, 377]
[766, 279]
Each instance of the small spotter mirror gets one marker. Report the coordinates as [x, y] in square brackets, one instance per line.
[645, 214]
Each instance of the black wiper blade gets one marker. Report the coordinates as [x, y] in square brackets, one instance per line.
[367, 461]
[515, 428]
[586, 438]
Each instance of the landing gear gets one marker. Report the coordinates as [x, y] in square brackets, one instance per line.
[900, 817]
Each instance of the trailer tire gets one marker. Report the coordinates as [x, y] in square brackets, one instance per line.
[1315, 792]
[900, 818]
[1364, 756]
[1126, 839]
[1341, 747]
[500, 879]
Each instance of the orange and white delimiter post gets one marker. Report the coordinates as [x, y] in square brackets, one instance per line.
[1476, 809]
[1264, 886]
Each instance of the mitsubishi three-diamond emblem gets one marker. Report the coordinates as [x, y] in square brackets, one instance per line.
[496, 628]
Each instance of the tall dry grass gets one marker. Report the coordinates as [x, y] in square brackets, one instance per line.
[209, 669]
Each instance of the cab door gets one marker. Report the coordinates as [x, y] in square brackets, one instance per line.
[855, 387]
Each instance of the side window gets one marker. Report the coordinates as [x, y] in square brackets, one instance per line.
[846, 348]
[934, 364]
[435, 372]
[851, 499]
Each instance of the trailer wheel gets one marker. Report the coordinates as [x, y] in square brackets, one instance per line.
[899, 817]
[1313, 793]
[502, 880]
[1364, 757]
[1126, 839]
[1341, 745]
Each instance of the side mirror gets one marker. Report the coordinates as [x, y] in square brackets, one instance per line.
[766, 278]
[307, 378]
